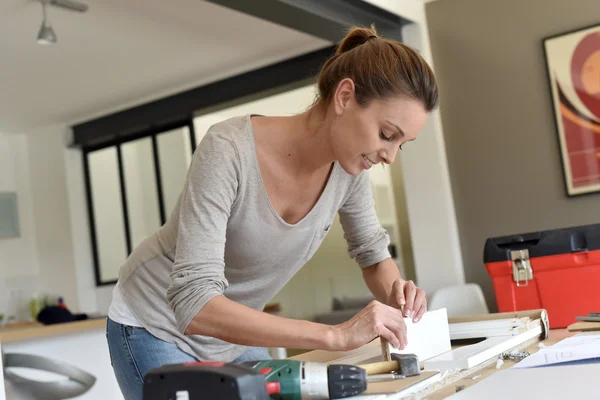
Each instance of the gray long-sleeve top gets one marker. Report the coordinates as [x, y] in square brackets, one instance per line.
[225, 238]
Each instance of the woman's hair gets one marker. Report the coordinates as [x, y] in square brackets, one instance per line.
[380, 68]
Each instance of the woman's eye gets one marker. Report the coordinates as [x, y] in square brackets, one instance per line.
[382, 135]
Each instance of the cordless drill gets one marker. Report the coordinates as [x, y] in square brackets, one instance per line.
[300, 380]
[254, 380]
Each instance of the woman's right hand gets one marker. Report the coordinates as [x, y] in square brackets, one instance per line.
[376, 319]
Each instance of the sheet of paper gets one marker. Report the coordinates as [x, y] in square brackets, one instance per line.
[564, 381]
[584, 346]
[427, 338]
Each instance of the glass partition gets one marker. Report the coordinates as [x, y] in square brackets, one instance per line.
[109, 226]
[174, 157]
[141, 188]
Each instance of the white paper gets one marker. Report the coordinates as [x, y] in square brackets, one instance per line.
[427, 338]
[565, 381]
[584, 346]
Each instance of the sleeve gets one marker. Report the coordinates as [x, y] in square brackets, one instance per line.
[367, 240]
[210, 191]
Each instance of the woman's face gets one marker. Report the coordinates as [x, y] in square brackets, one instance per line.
[364, 136]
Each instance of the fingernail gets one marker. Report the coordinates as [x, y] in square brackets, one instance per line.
[417, 319]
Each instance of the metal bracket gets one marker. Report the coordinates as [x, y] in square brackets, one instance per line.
[522, 271]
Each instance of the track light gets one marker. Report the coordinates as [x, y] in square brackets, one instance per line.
[46, 34]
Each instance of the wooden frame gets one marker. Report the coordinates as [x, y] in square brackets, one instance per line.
[534, 325]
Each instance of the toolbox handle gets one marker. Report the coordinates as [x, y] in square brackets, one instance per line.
[573, 240]
[579, 242]
[530, 239]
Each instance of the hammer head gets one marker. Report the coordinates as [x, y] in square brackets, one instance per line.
[408, 364]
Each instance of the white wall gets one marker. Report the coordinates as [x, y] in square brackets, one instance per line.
[424, 166]
[19, 267]
[89, 296]
[2, 389]
[51, 212]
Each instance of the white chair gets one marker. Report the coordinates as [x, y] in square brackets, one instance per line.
[77, 381]
[459, 300]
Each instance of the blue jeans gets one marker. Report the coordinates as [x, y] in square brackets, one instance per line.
[134, 351]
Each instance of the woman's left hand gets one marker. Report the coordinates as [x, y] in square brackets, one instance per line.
[405, 294]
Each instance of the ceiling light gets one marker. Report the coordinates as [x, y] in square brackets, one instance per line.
[46, 34]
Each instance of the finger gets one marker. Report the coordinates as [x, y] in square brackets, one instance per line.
[398, 290]
[392, 320]
[419, 301]
[401, 333]
[388, 335]
[410, 291]
[420, 313]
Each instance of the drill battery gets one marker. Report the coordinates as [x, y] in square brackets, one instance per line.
[204, 380]
[254, 380]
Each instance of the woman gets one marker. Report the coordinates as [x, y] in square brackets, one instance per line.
[260, 195]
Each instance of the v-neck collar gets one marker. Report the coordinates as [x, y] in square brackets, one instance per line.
[263, 189]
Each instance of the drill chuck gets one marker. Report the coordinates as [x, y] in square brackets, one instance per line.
[346, 380]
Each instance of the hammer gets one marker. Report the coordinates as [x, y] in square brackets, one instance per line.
[403, 364]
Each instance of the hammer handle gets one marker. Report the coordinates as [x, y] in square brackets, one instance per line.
[380, 367]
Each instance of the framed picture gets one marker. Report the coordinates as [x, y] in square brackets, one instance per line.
[573, 63]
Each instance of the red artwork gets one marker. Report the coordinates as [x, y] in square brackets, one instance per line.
[573, 62]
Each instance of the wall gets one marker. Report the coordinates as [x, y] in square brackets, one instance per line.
[91, 298]
[19, 267]
[51, 213]
[403, 220]
[498, 121]
[423, 168]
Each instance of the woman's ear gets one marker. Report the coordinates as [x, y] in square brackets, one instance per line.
[343, 95]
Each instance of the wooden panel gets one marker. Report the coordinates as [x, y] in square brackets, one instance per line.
[470, 356]
[36, 330]
[584, 326]
[401, 384]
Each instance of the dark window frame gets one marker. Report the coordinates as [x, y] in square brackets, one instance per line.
[117, 143]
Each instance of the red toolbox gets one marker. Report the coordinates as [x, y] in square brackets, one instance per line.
[558, 270]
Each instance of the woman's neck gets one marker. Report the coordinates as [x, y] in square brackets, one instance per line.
[301, 141]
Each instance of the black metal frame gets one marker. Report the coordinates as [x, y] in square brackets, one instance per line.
[117, 143]
[324, 19]
[180, 108]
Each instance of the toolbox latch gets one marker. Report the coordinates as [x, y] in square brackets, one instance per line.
[522, 271]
